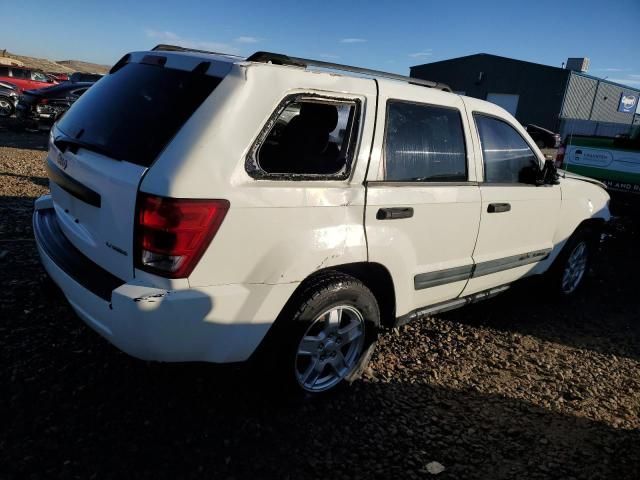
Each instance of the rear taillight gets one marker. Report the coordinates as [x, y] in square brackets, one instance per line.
[173, 233]
[560, 157]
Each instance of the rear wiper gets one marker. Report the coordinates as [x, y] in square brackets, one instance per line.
[64, 142]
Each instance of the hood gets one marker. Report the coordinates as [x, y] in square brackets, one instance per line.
[575, 176]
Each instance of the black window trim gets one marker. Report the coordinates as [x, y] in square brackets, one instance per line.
[252, 164]
[413, 183]
[424, 183]
[483, 182]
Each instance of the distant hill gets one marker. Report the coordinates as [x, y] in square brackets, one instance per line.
[62, 66]
[80, 66]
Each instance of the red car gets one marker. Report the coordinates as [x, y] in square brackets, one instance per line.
[58, 77]
[24, 78]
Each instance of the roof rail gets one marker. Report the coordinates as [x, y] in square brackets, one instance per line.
[280, 59]
[176, 48]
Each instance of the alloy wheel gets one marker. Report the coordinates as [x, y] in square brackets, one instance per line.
[330, 348]
[5, 107]
[575, 268]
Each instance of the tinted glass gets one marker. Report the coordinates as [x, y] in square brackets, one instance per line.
[84, 77]
[507, 157]
[310, 138]
[424, 143]
[19, 73]
[133, 113]
[4, 71]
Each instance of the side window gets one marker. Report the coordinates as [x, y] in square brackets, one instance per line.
[307, 136]
[507, 157]
[20, 73]
[40, 77]
[4, 71]
[424, 143]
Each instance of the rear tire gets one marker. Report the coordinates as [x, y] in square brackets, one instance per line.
[328, 337]
[569, 271]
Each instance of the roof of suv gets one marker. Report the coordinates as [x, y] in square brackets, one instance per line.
[285, 60]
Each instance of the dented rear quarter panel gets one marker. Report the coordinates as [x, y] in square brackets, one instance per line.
[276, 231]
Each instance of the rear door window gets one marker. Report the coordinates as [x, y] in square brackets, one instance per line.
[133, 113]
[424, 143]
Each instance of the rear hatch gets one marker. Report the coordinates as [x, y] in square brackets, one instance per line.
[101, 148]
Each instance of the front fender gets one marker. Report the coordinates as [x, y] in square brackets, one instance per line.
[581, 200]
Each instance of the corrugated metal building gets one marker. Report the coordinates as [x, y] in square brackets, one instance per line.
[559, 99]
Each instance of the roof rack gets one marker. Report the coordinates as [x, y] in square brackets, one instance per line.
[176, 48]
[280, 59]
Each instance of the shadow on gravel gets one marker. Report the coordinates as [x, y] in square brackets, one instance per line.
[72, 406]
[603, 317]
[15, 223]
[40, 181]
[13, 135]
[122, 418]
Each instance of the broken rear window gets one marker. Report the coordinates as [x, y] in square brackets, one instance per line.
[307, 137]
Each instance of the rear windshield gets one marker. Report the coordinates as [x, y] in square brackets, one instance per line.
[134, 112]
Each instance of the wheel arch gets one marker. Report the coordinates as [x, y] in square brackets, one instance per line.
[374, 276]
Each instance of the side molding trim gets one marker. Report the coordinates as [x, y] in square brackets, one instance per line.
[457, 274]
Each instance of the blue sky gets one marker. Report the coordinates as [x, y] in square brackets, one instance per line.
[388, 35]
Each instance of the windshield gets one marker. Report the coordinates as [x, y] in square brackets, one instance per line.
[134, 112]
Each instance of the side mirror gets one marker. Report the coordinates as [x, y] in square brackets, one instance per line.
[549, 174]
[530, 175]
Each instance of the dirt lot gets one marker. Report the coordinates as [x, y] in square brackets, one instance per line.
[518, 387]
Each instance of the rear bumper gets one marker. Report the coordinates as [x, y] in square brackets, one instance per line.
[219, 324]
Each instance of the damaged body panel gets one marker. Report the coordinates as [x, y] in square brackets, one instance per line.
[300, 221]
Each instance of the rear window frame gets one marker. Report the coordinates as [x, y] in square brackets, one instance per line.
[252, 164]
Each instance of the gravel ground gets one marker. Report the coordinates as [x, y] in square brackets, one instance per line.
[517, 387]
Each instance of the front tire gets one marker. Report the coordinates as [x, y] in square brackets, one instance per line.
[569, 271]
[329, 339]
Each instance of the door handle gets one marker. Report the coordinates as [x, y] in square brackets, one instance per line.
[394, 213]
[498, 207]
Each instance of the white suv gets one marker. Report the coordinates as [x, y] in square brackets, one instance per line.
[203, 206]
